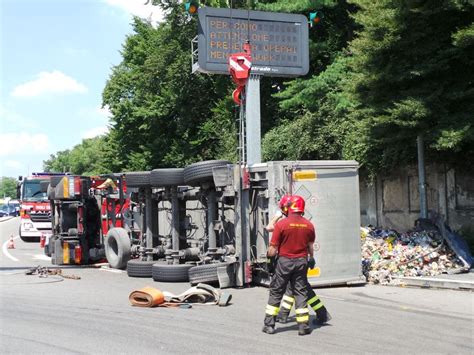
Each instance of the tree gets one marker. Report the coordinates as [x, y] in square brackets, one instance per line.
[91, 157]
[412, 73]
[163, 115]
[320, 107]
[8, 187]
[315, 108]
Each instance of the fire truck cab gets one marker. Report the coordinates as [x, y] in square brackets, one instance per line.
[35, 211]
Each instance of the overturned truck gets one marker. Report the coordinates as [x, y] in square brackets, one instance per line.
[205, 222]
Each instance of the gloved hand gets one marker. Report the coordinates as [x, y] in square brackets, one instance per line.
[311, 262]
[271, 263]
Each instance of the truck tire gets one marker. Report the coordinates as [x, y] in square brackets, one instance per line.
[197, 173]
[170, 272]
[117, 248]
[138, 179]
[204, 273]
[49, 249]
[167, 177]
[139, 268]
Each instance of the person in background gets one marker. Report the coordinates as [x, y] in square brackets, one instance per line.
[314, 302]
[292, 240]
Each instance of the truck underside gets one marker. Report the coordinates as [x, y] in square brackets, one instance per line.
[204, 222]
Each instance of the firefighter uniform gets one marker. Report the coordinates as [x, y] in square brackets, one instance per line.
[313, 301]
[291, 238]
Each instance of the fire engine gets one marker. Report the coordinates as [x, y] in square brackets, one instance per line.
[35, 211]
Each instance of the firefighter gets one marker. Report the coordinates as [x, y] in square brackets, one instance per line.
[314, 302]
[292, 239]
[284, 203]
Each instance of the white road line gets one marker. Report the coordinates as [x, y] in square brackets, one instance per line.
[112, 270]
[5, 250]
[331, 298]
[41, 257]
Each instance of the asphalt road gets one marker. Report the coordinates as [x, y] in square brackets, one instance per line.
[93, 315]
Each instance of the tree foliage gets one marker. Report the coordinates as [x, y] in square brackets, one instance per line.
[412, 74]
[316, 107]
[163, 115]
[381, 73]
[87, 158]
[320, 107]
[8, 187]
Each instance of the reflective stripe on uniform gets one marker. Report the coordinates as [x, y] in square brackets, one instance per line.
[315, 303]
[272, 310]
[302, 315]
[287, 302]
[288, 298]
[302, 310]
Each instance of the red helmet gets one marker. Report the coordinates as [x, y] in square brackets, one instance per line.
[297, 204]
[284, 203]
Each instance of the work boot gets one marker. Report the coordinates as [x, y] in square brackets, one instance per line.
[303, 329]
[283, 317]
[268, 329]
[322, 316]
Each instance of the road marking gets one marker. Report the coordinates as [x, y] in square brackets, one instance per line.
[333, 298]
[112, 270]
[5, 251]
[41, 257]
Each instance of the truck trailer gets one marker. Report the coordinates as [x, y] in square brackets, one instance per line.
[206, 222]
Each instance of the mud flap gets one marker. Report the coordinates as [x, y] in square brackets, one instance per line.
[226, 275]
[57, 252]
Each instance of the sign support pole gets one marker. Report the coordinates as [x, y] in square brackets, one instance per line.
[252, 120]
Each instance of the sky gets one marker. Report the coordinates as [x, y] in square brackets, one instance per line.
[55, 59]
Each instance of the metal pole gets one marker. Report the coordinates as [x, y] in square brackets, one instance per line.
[211, 217]
[149, 221]
[252, 120]
[240, 235]
[174, 219]
[421, 177]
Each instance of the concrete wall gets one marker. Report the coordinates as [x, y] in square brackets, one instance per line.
[392, 200]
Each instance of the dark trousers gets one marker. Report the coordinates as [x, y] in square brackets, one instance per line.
[289, 272]
[313, 300]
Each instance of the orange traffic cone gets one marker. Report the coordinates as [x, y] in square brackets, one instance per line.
[42, 240]
[11, 245]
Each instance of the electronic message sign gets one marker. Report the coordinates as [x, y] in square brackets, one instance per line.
[278, 41]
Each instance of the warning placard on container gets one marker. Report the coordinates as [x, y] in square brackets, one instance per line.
[278, 41]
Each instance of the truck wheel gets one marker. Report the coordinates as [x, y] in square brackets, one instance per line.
[138, 179]
[204, 273]
[139, 268]
[117, 248]
[49, 249]
[170, 272]
[167, 177]
[197, 173]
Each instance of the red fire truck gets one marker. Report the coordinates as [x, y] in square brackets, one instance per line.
[35, 210]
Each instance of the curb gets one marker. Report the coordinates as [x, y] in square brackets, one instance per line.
[3, 219]
[434, 283]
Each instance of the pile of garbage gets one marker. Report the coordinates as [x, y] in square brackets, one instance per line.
[387, 253]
